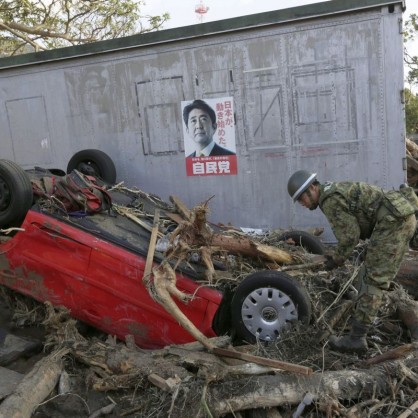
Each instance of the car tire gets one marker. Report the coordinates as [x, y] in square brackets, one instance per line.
[16, 195]
[265, 303]
[309, 242]
[95, 163]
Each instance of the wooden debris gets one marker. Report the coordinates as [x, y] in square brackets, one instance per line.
[180, 371]
[194, 235]
[409, 411]
[151, 249]
[314, 262]
[182, 209]
[128, 213]
[336, 317]
[407, 275]
[165, 286]
[222, 341]
[167, 385]
[408, 313]
[294, 368]
[240, 380]
[34, 387]
[395, 354]
[284, 389]
[9, 379]
[106, 410]
[239, 245]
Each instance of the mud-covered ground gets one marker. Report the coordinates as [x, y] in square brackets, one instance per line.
[72, 398]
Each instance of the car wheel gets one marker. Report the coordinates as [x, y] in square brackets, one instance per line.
[16, 196]
[310, 242]
[265, 303]
[93, 162]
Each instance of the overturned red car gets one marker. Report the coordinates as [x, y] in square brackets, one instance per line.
[93, 264]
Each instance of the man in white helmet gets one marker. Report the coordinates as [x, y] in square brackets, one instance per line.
[358, 210]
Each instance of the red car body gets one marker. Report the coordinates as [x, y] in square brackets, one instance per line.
[94, 264]
[100, 281]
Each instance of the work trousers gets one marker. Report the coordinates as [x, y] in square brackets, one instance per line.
[387, 246]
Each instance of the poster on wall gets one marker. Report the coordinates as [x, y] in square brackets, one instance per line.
[209, 137]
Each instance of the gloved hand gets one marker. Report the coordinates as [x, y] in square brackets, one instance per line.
[330, 263]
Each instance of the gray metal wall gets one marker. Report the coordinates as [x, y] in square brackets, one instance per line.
[321, 94]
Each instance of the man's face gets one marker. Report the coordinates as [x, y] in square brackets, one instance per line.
[200, 127]
[310, 198]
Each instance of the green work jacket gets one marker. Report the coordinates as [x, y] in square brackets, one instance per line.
[353, 208]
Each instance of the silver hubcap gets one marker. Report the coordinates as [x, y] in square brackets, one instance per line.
[266, 311]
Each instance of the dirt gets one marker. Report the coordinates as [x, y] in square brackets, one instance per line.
[81, 401]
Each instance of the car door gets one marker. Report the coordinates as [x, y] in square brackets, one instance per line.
[122, 304]
[48, 260]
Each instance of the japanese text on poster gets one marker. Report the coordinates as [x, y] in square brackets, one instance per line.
[209, 137]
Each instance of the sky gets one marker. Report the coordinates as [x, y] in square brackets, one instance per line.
[182, 12]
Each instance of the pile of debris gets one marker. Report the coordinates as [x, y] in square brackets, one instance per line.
[297, 374]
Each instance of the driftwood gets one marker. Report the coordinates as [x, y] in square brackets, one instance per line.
[229, 389]
[174, 362]
[165, 286]
[151, 249]
[165, 368]
[106, 410]
[295, 368]
[167, 385]
[195, 233]
[192, 235]
[190, 375]
[225, 384]
[270, 391]
[408, 274]
[239, 245]
[126, 212]
[395, 354]
[409, 411]
[34, 387]
[407, 310]
[314, 262]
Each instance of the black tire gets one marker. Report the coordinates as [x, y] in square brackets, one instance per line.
[16, 196]
[265, 303]
[310, 242]
[93, 162]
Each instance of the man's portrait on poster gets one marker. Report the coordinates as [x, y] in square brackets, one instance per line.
[201, 126]
[209, 137]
